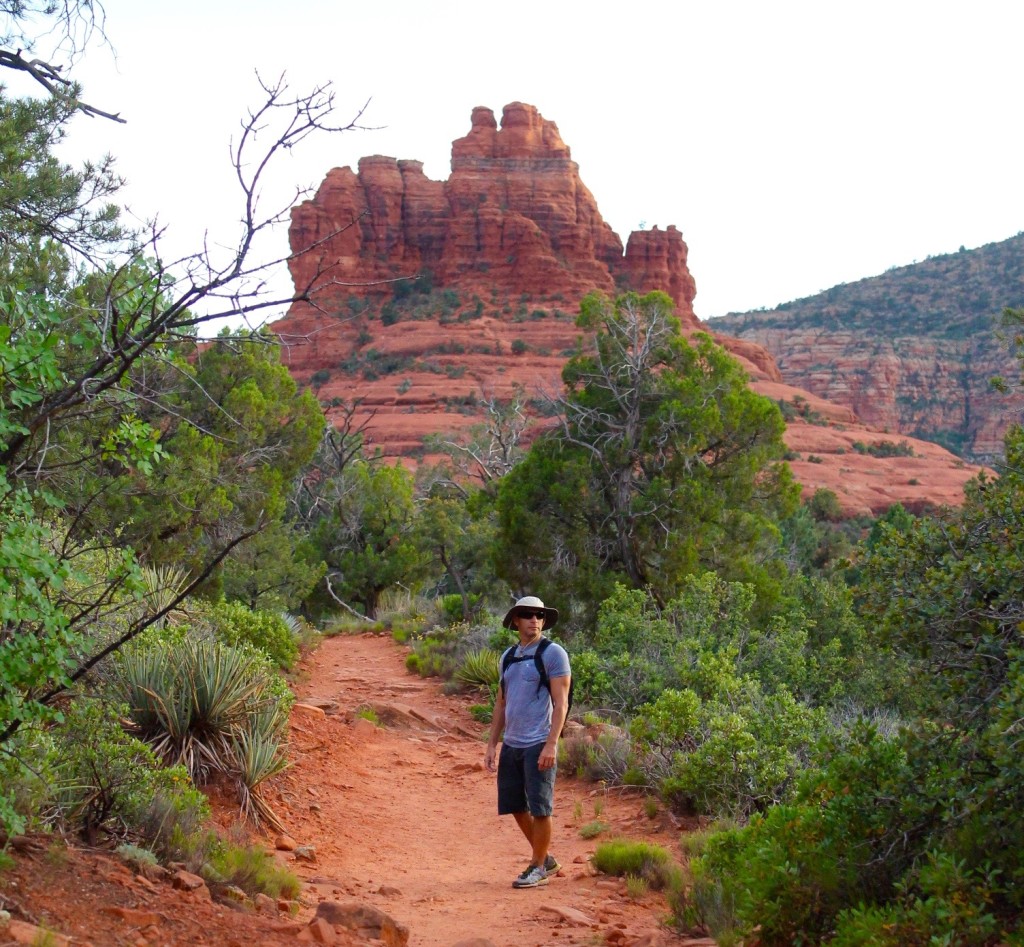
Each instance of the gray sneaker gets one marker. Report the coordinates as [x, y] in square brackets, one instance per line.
[551, 866]
[533, 877]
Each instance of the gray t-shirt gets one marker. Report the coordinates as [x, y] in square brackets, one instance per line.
[527, 704]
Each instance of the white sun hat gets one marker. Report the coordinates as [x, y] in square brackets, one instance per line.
[533, 603]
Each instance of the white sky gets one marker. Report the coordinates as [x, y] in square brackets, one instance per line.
[796, 145]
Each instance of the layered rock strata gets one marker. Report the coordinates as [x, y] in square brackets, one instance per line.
[426, 298]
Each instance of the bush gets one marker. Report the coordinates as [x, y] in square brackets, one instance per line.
[251, 868]
[735, 753]
[441, 651]
[793, 869]
[234, 623]
[107, 781]
[480, 669]
[639, 859]
[208, 706]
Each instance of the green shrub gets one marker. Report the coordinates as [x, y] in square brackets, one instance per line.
[732, 754]
[793, 869]
[620, 857]
[250, 868]
[593, 829]
[108, 781]
[139, 858]
[441, 651]
[234, 623]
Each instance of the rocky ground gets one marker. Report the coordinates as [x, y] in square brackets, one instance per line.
[392, 828]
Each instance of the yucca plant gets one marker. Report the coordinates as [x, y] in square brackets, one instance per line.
[479, 669]
[191, 702]
[258, 756]
[163, 584]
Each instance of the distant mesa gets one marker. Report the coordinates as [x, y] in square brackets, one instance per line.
[427, 297]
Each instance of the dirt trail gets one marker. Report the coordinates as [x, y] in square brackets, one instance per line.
[402, 816]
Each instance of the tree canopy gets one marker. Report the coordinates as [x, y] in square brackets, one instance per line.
[664, 463]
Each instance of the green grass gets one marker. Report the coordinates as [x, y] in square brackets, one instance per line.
[623, 858]
[593, 829]
[252, 869]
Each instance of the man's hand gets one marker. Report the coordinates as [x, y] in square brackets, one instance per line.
[490, 755]
[548, 757]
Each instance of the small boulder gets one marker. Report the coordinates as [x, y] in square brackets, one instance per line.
[318, 932]
[186, 881]
[21, 932]
[569, 915]
[285, 843]
[368, 921]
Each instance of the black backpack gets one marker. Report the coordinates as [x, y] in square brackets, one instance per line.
[538, 659]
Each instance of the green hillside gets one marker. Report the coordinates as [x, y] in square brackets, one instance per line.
[912, 349]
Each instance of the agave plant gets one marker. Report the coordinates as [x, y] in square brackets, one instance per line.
[258, 756]
[191, 701]
[162, 585]
[479, 669]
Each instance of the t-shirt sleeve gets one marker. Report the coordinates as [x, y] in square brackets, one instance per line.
[556, 661]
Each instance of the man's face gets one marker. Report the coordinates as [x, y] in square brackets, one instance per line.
[529, 622]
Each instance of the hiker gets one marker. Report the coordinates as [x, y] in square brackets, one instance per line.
[530, 708]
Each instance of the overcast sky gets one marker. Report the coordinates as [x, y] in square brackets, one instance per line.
[795, 145]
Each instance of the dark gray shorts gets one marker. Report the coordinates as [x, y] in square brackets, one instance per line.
[522, 787]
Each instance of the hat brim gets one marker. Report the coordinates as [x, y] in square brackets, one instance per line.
[550, 616]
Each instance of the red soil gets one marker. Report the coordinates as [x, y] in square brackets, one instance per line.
[402, 817]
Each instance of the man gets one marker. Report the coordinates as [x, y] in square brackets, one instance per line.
[531, 717]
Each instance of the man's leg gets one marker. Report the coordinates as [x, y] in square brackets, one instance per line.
[525, 822]
[540, 792]
[541, 838]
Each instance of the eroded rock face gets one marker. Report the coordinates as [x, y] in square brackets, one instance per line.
[514, 216]
[911, 350]
[490, 267]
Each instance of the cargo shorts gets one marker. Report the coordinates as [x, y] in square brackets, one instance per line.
[522, 785]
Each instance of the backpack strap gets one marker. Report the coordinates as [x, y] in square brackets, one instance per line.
[538, 660]
[509, 658]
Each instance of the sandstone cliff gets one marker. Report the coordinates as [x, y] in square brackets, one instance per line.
[427, 297]
[513, 218]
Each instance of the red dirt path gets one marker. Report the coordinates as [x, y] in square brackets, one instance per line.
[402, 817]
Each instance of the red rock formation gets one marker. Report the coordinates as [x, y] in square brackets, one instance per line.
[514, 217]
[510, 243]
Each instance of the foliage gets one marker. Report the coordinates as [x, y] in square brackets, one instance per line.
[622, 858]
[234, 623]
[203, 704]
[884, 448]
[365, 533]
[239, 433]
[479, 669]
[639, 648]
[96, 326]
[664, 464]
[734, 752]
[458, 536]
[915, 837]
[442, 651]
[605, 759]
[108, 781]
[251, 868]
[593, 829]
